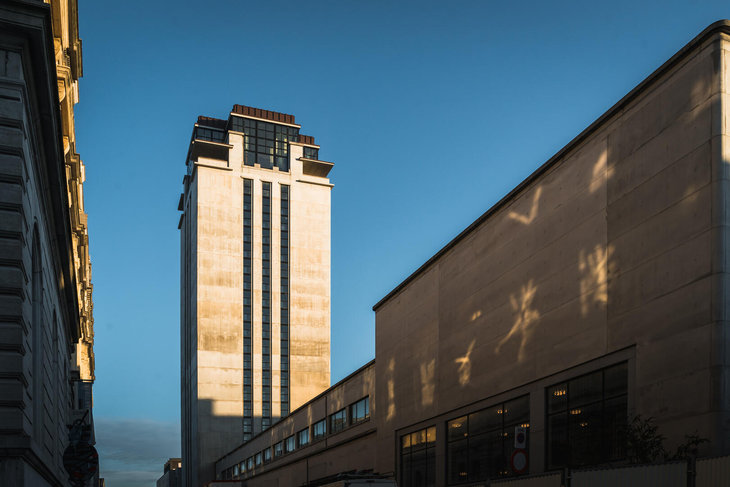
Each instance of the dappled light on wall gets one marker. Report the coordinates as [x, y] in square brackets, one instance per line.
[530, 217]
[464, 363]
[428, 372]
[391, 390]
[601, 172]
[525, 319]
[594, 280]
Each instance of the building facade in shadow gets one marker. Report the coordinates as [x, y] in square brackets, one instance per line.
[46, 319]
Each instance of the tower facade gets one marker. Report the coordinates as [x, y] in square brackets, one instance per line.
[255, 281]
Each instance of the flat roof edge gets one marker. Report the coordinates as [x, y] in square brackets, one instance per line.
[718, 27]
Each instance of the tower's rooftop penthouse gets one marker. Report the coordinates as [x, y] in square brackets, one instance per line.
[266, 134]
[220, 126]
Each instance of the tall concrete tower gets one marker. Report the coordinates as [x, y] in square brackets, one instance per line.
[255, 281]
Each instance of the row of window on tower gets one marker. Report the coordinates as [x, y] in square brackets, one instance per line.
[586, 419]
[352, 415]
[264, 143]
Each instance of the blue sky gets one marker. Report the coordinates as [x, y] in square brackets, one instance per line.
[431, 112]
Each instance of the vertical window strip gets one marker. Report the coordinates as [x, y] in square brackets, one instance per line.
[284, 292]
[265, 143]
[266, 304]
[247, 309]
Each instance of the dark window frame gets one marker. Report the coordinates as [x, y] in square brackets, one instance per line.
[485, 433]
[427, 438]
[299, 437]
[315, 436]
[365, 402]
[338, 424]
[265, 143]
[574, 409]
[290, 444]
[311, 153]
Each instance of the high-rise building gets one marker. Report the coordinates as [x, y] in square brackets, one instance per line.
[255, 280]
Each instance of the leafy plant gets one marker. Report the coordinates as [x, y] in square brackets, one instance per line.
[644, 443]
[689, 448]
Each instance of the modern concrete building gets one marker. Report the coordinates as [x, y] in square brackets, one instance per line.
[595, 291]
[255, 280]
[46, 321]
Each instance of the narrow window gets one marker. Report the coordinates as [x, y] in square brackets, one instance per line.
[360, 411]
[418, 458]
[284, 306]
[290, 444]
[266, 304]
[247, 309]
[311, 153]
[319, 429]
[586, 418]
[303, 437]
[338, 421]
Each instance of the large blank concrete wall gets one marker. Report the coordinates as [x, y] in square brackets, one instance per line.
[618, 243]
[218, 331]
[310, 286]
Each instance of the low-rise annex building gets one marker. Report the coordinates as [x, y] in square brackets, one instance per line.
[328, 435]
[595, 291]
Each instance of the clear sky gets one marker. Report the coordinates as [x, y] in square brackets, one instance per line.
[431, 112]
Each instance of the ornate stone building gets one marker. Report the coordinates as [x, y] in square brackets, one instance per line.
[46, 311]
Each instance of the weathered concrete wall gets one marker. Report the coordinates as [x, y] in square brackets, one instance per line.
[212, 299]
[218, 374]
[614, 251]
[310, 284]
